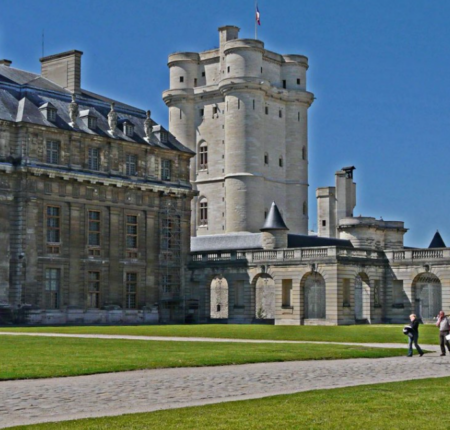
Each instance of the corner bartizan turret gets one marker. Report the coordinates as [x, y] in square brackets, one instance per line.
[274, 230]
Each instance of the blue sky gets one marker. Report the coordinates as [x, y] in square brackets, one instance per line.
[379, 70]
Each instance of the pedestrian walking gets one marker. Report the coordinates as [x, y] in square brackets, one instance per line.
[444, 329]
[414, 338]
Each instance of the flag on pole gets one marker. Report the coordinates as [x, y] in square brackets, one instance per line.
[257, 15]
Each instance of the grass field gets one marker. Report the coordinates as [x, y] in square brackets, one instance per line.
[360, 334]
[400, 405]
[40, 357]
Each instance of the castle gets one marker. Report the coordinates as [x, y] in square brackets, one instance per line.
[243, 110]
[107, 217]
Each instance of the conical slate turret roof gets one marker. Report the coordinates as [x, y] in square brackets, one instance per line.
[274, 220]
[437, 241]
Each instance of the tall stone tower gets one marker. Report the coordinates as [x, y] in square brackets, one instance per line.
[243, 110]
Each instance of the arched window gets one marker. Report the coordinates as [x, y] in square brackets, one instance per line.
[203, 156]
[203, 213]
[305, 208]
[304, 153]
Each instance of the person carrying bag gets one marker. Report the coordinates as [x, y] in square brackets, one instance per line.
[444, 330]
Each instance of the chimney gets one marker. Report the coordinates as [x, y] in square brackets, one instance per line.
[63, 69]
[5, 62]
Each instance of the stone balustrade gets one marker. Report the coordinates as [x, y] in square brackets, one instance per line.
[282, 255]
[418, 254]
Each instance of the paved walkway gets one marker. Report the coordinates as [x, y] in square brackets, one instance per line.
[57, 399]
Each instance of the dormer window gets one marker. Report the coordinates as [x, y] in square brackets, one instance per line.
[128, 129]
[89, 119]
[49, 111]
[164, 136]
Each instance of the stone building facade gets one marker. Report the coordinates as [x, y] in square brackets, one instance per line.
[94, 203]
[238, 104]
[243, 109]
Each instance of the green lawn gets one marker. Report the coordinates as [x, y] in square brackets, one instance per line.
[360, 333]
[400, 405]
[42, 357]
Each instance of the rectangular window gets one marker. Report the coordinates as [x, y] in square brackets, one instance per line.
[131, 164]
[92, 122]
[298, 81]
[284, 83]
[202, 112]
[228, 69]
[181, 78]
[397, 293]
[346, 292]
[376, 293]
[203, 157]
[324, 223]
[203, 74]
[94, 228]
[215, 110]
[203, 213]
[267, 110]
[195, 82]
[280, 162]
[52, 152]
[166, 170]
[131, 232]
[286, 293]
[130, 290]
[94, 159]
[239, 293]
[52, 288]
[280, 113]
[53, 224]
[93, 289]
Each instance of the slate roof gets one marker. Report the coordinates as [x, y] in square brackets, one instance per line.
[23, 93]
[437, 241]
[274, 220]
[301, 241]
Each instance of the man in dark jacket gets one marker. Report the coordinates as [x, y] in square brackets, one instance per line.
[415, 336]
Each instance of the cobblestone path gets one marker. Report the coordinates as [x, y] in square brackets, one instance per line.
[57, 399]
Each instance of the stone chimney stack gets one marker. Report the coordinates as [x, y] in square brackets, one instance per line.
[63, 69]
[5, 62]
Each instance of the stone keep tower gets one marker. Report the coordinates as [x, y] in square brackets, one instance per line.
[243, 110]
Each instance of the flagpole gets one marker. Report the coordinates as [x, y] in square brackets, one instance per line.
[256, 24]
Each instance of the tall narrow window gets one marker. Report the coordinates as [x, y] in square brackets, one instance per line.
[53, 229]
[131, 236]
[202, 112]
[280, 113]
[239, 294]
[298, 117]
[284, 83]
[52, 152]
[93, 289]
[203, 153]
[286, 293]
[267, 110]
[181, 78]
[203, 213]
[280, 161]
[94, 159]
[94, 228]
[304, 153]
[239, 103]
[305, 208]
[130, 290]
[228, 69]
[298, 81]
[195, 82]
[131, 164]
[253, 104]
[266, 158]
[52, 288]
[166, 170]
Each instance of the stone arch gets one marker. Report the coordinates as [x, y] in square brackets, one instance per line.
[219, 298]
[427, 290]
[362, 297]
[264, 286]
[314, 296]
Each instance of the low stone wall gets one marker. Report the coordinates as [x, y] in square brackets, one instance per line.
[127, 316]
